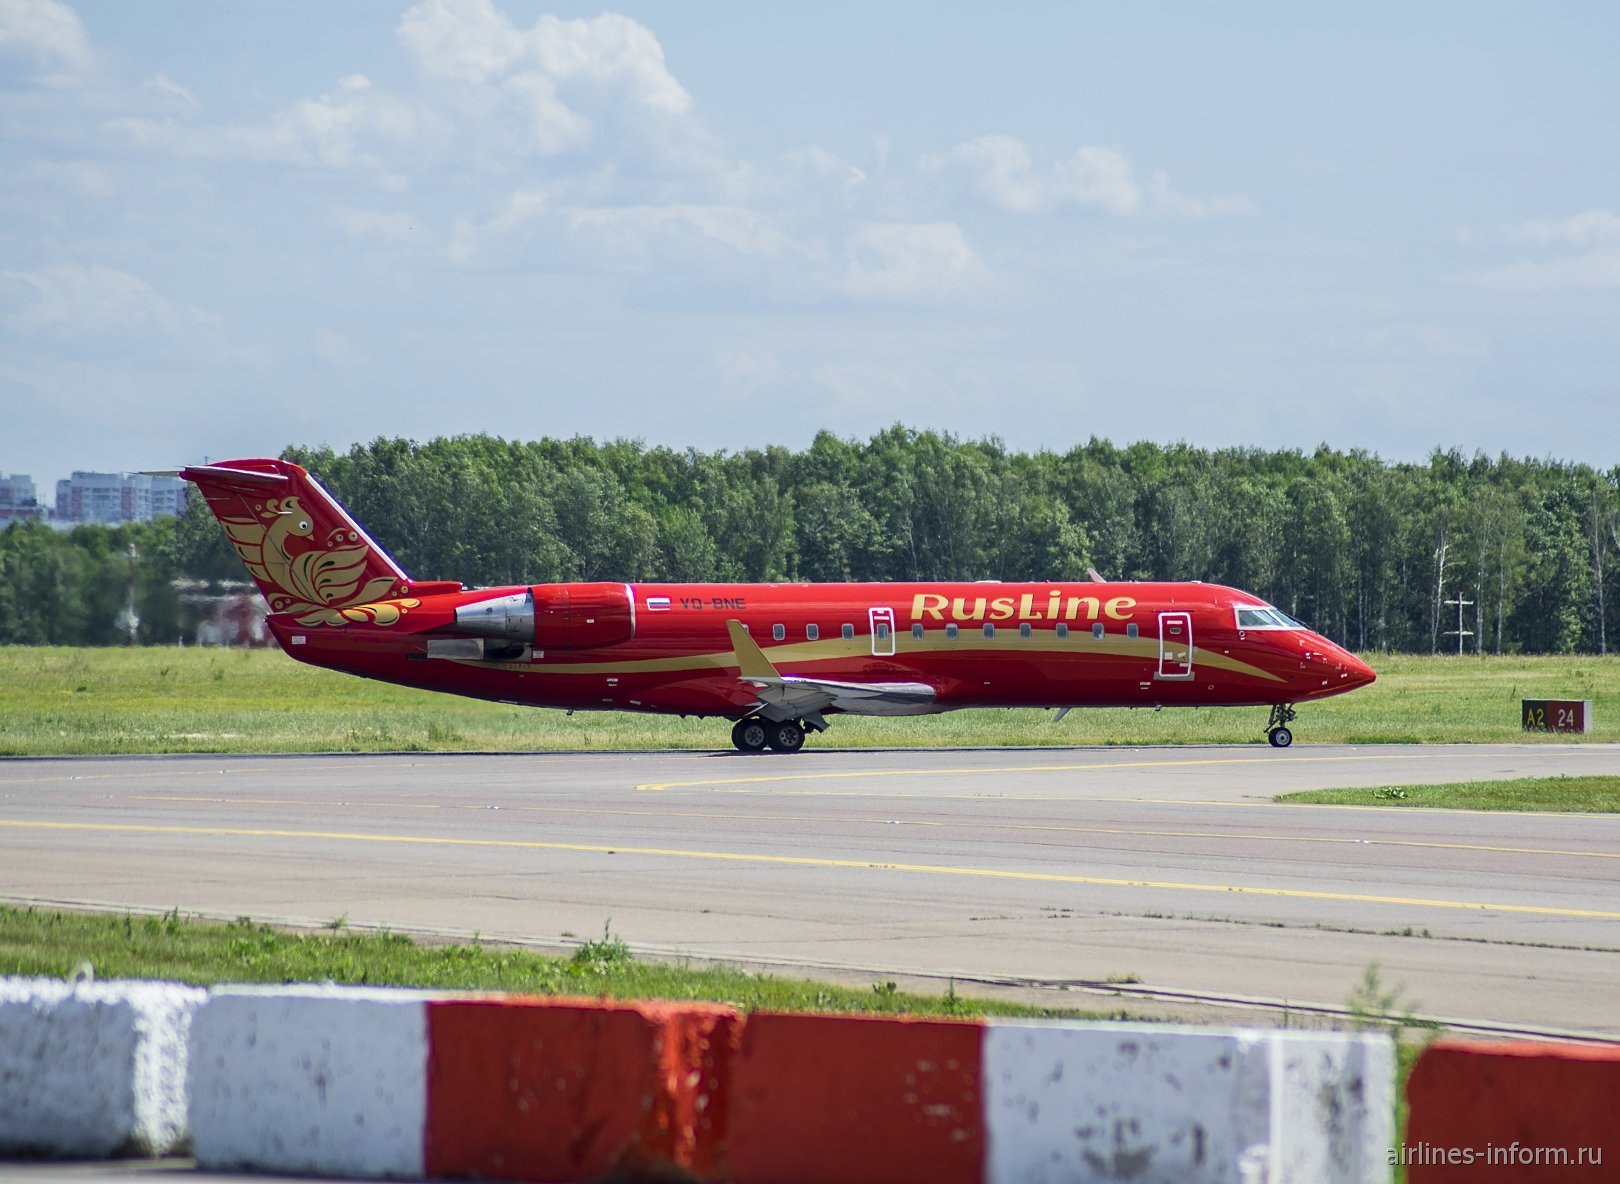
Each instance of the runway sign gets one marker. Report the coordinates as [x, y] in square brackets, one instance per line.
[1558, 715]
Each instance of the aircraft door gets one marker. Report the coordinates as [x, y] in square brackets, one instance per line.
[882, 623]
[1175, 645]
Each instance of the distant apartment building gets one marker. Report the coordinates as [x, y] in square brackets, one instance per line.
[118, 497]
[18, 499]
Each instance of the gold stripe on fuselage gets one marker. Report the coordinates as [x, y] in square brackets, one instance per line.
[839, 648]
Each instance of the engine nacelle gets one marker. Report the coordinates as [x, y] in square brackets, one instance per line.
[582, 616]
[555, 616]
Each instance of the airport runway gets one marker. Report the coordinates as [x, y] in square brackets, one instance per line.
[1160, 880]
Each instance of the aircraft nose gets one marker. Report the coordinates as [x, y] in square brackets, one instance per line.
[1356, 673]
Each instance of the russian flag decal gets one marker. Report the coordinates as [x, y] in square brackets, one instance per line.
[658, 604]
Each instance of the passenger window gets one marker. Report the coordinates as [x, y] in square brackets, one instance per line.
[1097, 631]
[950, 631]
[849, 632]
[1130, 630]
[989, 629]
[779, 632]
[1062, 631]
[1023, 630]
[917, 632]
[812, 632]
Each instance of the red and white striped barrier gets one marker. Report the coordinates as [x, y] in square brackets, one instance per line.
[374, 1083]
[819, 1098]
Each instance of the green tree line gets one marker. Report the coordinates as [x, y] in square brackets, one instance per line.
[1366, 550]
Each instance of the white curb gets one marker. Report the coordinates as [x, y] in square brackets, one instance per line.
[93, 1070]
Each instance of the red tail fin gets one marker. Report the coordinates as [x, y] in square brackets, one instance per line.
[307, 555]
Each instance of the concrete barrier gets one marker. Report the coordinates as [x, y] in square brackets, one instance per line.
[310, 1081]
[93, 1070]
[1530, 1112]
[547, 1089]
[849, 1098]
[897, 1101]
[363, 1083]
[375, 1083]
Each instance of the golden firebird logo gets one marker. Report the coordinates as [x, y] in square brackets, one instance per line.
[321, 581]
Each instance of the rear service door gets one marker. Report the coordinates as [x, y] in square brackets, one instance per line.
[882, 622]
[1175, 645]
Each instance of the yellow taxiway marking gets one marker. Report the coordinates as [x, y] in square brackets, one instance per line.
[809, 861]
[976, 824]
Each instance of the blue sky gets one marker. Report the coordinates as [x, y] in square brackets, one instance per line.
[226, 228]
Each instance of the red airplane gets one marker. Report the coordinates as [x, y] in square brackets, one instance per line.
[776, 658]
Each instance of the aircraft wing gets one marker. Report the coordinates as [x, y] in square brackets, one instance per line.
[788, 696]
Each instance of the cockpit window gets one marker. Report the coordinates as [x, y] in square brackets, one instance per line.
[1263, 616]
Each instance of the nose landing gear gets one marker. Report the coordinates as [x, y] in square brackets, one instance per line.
[1282, 714]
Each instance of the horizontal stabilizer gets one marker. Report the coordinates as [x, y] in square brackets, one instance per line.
[240, 479]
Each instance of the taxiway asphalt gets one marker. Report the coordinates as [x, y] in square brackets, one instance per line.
[1166, 877]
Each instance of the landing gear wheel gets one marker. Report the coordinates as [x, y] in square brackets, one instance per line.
[787, 736]
[1282, 714]
[750, 735]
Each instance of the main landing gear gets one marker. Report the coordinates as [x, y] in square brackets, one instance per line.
[756, 733]
[1282, 714]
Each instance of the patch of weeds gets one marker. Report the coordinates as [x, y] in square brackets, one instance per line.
[603, 956]
[1375, 1006]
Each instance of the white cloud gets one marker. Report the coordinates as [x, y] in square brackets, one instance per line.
[1596, 269]
[489, 95]
[746, 232]
[350, 128]
[519, 211]
[92, 301]
[1589, 229]
[560, 80]
[1164, 200]
[931, 262]
[1001, 173]
[1597, 266]
[163, 85]
[47, 33]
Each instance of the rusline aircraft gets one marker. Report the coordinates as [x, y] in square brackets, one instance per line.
[778, 659]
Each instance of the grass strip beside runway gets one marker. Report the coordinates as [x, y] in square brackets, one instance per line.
[159, 699]
[1564, 795]
[57, 944]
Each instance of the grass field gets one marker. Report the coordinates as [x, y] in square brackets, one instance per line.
[1574, 795]
[177, 949]
[97, 701]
